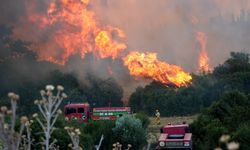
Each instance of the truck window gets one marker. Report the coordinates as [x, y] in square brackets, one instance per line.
[176, 136]
[70, 110]
[80, 110]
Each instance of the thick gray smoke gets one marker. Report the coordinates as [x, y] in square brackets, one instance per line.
[167, 27]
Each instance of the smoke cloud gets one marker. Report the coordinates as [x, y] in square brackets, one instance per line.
[169, 27]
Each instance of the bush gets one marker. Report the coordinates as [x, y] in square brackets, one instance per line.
[95, 129]
[223, 118]
[144, 119]
[242, 135]
[129, 130]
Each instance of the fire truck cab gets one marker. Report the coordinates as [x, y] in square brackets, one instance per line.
[77, 111]
[175, 137]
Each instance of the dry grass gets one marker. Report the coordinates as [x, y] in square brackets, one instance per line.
[155, 129]
[175, 119]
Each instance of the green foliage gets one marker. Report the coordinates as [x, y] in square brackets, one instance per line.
[229, 115]
[129, 130]
[242, 135]
[234, 74]
[98, 92]
[1, 145]
[170, 101]
[239, 62]
[95, 129]
[144, 119]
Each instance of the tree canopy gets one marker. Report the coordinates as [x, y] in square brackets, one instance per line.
[233, 74]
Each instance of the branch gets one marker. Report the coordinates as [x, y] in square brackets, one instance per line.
[13, 122]
[41, 110]
[39, 121]
[20, 135]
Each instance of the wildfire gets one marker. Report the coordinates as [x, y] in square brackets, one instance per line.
[68, 27]
[146, 65]
[203, 57]
[107, 47]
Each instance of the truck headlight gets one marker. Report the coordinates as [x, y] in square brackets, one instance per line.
[162, 144]
[186, 144]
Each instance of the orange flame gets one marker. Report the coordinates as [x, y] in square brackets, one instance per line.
[71, 28]
[68, 27]
[147, 65]
[107, 47]
[203, 57]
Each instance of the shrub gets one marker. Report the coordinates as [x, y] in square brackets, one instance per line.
[144, 119]
[129, 130]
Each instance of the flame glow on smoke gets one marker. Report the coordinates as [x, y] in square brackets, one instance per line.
[68, 27]
[203, 57]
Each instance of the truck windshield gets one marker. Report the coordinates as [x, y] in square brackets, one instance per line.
[176, 136]
[70, 110]
[80, 110]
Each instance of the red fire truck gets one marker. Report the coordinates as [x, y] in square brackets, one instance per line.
[83, 112]
[175, 137]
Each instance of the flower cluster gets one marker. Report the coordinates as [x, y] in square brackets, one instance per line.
[74, 134]
[231, 145]
[49, 109]
[10, 138]
[118, 146]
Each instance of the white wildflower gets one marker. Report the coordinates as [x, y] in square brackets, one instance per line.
[224, 138]
[4, 109]
[60, 88]
[35, 115]
[42, 92]
[36, 102]
[50, 87]
[5, 126]
[64, 95]
[11, 95]
[24, 119]
[59, 111]
[233, 146]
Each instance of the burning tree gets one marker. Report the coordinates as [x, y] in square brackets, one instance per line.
[147, 65]
[204, 65]
[10, 138]
[49, 108]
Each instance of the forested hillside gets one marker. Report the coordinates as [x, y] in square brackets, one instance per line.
[233, 74]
